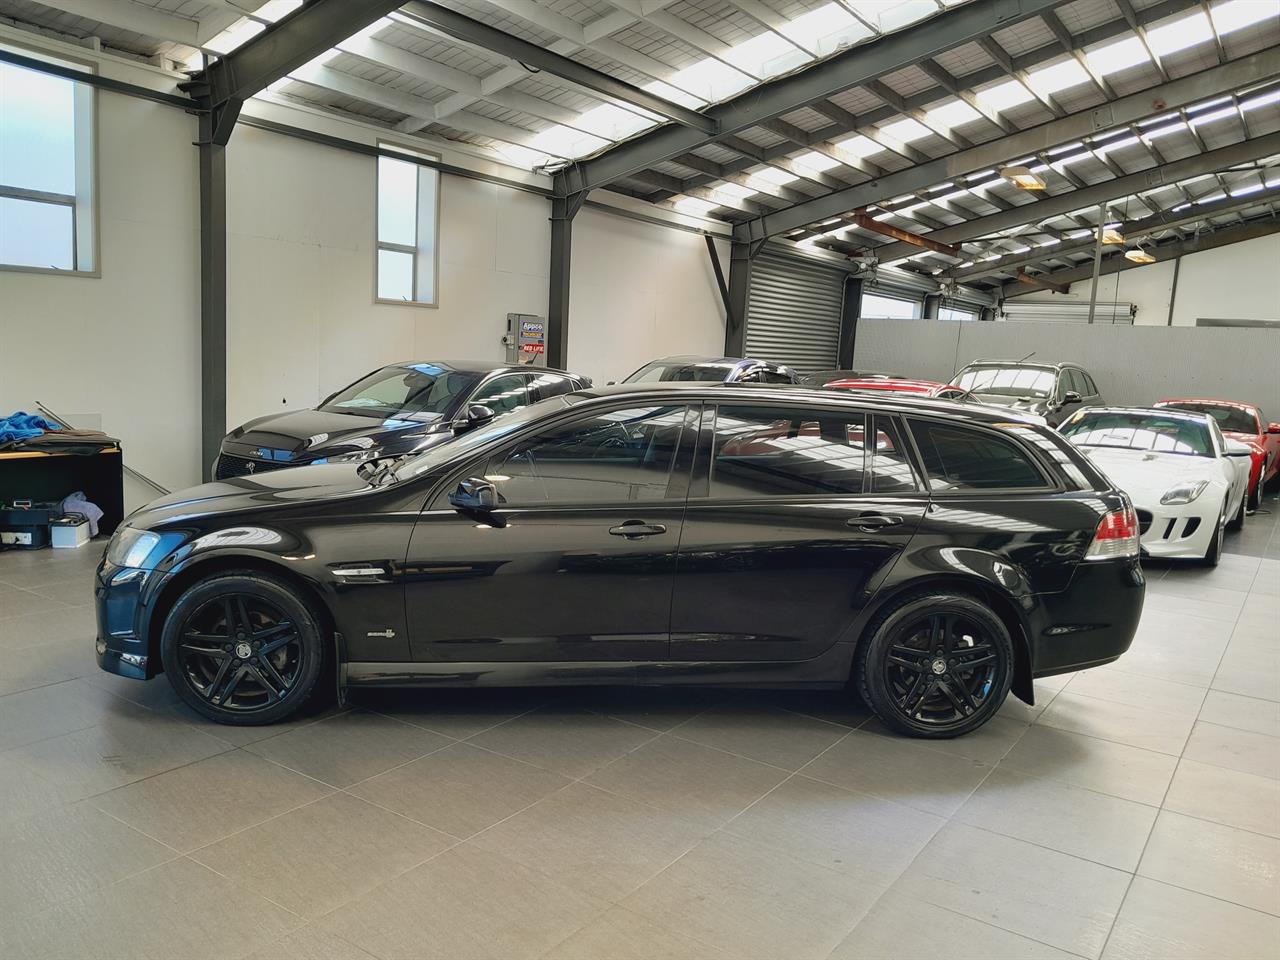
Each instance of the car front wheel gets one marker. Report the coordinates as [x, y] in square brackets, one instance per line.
[242, 648]
[936, 664]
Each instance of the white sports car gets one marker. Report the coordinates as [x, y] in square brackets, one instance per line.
[1186, 480]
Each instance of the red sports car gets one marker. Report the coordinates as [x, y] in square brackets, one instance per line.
[1243, 422]
[922, 388]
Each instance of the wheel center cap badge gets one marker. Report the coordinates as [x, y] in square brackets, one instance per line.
[244, 651]
[938, 666]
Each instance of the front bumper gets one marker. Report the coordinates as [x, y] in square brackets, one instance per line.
[1092, 621]
[121, 645]
[1177, 532]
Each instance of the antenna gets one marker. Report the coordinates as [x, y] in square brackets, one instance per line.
[1027, 357]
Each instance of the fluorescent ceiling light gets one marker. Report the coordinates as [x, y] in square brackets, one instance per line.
[1023, 178]
[1245, 191]
[1181, 33]
[1260, 101]
[1235, 14]
[1111, 235]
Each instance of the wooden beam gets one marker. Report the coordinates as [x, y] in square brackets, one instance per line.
[1031, 281]
[864, 220]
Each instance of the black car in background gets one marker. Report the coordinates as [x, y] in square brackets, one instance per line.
[713, 370]
[935, 555]
[1053, 391]
[398, 409]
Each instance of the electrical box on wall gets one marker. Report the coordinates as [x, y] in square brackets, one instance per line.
[526, 339]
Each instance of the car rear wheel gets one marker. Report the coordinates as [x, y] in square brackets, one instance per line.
[936, 664]
[242, 648]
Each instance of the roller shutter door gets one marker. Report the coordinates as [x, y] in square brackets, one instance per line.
[793, 312]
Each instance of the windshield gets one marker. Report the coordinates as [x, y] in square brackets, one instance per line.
[434, 457]
[1003, 381]
[420, 391]
[1141, 431]
[667, 370]
[1229, 418]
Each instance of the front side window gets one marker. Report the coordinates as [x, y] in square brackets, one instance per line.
[46, 170]
[621, 456]
[504, 394]
[421, 392]
[958, 459]
[770, 452]
[1033, 383]
[1140, 431]
[408, 204]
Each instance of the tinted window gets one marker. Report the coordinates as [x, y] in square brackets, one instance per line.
[421, 391]
[1075, 381]
[1091, 389]
[1140, 431]
[1229, 418]
[504, 394]
[543, 385]
[763, 452]
[622, 455]
[777, 376]
[960, 459]
[891, 465]
[667, 370]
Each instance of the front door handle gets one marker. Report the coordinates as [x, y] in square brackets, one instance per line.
[636, 529]
[870, 522]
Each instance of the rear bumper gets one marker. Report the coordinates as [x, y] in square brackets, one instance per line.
[1090, 623]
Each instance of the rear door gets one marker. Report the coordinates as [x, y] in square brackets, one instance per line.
[793, 520]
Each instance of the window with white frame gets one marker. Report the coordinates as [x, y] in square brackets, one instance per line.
[947, 313]
[889, 308]
[408, 210]
[47, 200]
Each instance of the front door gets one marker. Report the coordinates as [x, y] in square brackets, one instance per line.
[578, 561]
[793, 521]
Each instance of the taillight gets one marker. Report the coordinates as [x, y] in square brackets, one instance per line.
[1117, 536]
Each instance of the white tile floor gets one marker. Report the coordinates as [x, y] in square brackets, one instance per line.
[1133, 812]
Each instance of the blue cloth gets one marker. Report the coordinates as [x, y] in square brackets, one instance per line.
[24, 426]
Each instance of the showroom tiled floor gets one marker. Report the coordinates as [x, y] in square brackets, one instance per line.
[1133, 812]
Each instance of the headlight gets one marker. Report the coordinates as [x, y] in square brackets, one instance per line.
[130, 547]
[357, 456]
[1184, 492]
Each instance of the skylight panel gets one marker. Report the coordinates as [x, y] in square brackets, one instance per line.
[563, 141]
[274, 10]
[1005, 95]
[772, 177]
[1253, 103]
[719, 80]
[859, 146]
[1237, 14]
[906, 129]
[1117, 56]
[1180, 34]
[735, 190]
[612, 122]
[695, 206]
[817, 161]
[1245, 191]
[682, 97]
[826, 29]
[519, 155]
[236, 34]
[888, 15]
[1116, 145]
[1210, 117]
[1058, 76]
[953, 114]
[766, 55]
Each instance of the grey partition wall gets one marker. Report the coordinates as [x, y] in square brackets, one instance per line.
[1132, 364]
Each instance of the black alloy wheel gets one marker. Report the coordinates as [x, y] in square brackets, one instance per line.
[936, 665]
[242, 648]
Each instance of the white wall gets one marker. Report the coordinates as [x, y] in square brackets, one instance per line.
[122, 350]
[639, 291]
[1240, 282]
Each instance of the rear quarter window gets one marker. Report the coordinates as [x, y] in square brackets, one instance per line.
[960, 459]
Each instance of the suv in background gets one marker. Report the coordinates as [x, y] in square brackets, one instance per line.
[1053, 391]
[398, 409]
[713, 370]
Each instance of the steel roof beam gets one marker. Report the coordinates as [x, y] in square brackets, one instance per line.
[851, 68]
[1185, 90]
[1237, 233]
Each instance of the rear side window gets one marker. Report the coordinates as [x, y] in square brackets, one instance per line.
[776, 451]
[1091, 389]
[956, 458]
[890, 465]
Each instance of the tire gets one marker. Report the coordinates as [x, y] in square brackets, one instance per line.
[242, 648]
[910, 651]
[1237, 522]
[1213, 552]
[1255, 495]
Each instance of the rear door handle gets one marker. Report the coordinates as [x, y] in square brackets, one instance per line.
[874, 521]
[635, 529]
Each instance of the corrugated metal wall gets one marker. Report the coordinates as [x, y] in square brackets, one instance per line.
[1132, 364]
[793, 312]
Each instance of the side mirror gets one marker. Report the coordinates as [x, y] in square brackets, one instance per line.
[1273, 428]
[1072, 396]
[477, 415]
[1237, 449]
[475, 493]
[612, 382]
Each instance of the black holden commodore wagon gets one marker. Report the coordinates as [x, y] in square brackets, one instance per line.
[932, 556]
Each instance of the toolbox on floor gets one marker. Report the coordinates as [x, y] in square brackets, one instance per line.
[69, 531]
[25, 525]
